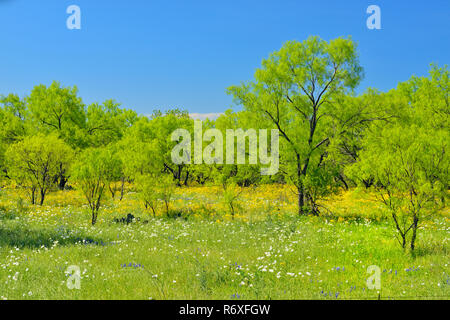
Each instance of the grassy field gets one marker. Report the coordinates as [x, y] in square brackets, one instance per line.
[265, 252]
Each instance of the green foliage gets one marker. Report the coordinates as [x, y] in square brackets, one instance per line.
[155, 189]
[295, 92]
[58, 109]
[407, 157]
[395, 142]
[147, 145]
[242, 174]
[166, 187]
[13, 125]
[93, 172]
[162, 127]
[13, 118]
[107, 123]
[148, 192]
[36, 161]
[230, 197]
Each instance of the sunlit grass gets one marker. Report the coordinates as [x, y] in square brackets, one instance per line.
[265, 252]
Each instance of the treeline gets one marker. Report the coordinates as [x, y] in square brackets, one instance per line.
[394, 142]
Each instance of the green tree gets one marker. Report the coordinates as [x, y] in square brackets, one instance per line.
[137, 150]
[405, 163]
[407, 157]
[154, 189]
[148, 192]
[166, 188]
[107, 123]
[13, 120]
[59, 110]
[147, 145]
[347, 125]
[294, 92]
[243, 174]
[230, 194]
[162, 126]
[116, 175]
[14, 124]
[93, 174]
[35, 161]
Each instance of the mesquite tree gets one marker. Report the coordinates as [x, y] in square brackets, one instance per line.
[294, 92]
[35, 161]
[407, 157]
[92, 172]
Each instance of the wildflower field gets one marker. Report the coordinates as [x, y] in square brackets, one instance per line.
[264, 251]
[222, 159]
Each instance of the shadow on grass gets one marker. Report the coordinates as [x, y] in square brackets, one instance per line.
[430, 249]
[18, 235]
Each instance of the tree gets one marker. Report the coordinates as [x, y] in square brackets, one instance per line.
[155, 188]
[13, 120]
[347, 126]
[294, 92]
[405, 162]
[148, 192]
[136, 150]
[407, 157]
[243, 174]
[92, 172]
[230, 194]
[166, 188]
[107, 123]
[147, 145]
[35, 161]
[116, 176]
[14, 124]
[162, 126]
[59, 110]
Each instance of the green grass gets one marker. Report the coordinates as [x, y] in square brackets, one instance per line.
[272, 258]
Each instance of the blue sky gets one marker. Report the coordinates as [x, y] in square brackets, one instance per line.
[163, 54]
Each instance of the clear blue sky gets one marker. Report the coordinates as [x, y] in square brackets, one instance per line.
[162, 54]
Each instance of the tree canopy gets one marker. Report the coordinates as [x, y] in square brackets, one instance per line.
[331, 138]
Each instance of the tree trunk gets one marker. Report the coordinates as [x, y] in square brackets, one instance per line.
[62, 182]
[187, 177]
[167, 208]
[42, 197]
[33, 192]
[180, 168]
[341, 178]
[414, 234]
[403, 240]
[121, 188]
[62, 179]
[367, 183]
[113, 192]
[94, 217]
[301, 200]
[301, 192]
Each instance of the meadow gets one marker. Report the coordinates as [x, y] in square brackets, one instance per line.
[265, 251]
